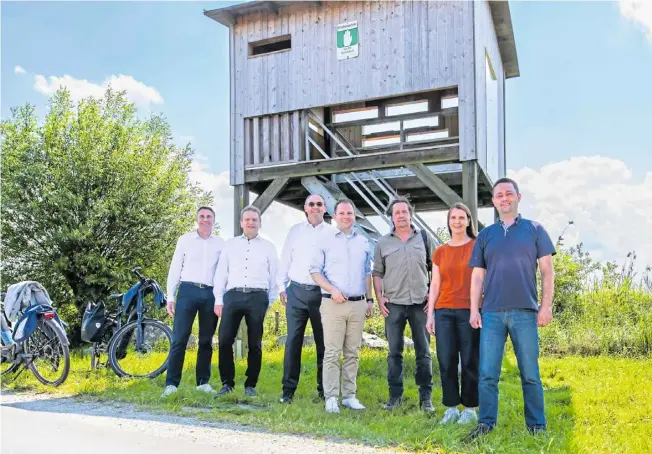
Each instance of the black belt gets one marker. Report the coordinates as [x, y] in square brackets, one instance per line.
[350, 298]
[196, 284]
[248, 289]
[305, 286]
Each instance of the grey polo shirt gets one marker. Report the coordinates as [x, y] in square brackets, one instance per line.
[402, 266]
[510, 254]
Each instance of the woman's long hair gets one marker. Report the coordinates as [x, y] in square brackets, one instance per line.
[470, 229]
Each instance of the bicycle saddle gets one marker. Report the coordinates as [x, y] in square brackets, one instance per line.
[116, 296]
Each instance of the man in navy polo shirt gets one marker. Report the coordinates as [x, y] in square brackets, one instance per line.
[504, 261]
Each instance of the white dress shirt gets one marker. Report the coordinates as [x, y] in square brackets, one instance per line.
[246, 263]
[298, 250]
[194, 260]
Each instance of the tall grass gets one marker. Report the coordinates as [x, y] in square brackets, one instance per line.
[600, 309]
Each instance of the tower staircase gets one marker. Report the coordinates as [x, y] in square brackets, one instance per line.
[329, 190]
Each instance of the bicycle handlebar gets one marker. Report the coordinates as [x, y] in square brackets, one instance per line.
[138, 274]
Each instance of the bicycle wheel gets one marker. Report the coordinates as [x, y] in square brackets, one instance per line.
[51, 355]
[7, 362]
[150, 360]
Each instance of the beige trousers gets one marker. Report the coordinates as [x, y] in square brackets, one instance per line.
[343, 325]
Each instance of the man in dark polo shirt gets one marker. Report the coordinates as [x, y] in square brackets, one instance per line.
[401, 284]
[504, 261]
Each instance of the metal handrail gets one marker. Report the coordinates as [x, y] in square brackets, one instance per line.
[379, 180]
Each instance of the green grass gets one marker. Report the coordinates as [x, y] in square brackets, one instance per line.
[598, 404]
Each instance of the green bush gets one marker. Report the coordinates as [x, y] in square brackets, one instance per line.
[599, 309]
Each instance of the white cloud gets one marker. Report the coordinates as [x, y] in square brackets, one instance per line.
[276, 220]
[19, 70]
[137, 92]
[611, 211]
[639, 11]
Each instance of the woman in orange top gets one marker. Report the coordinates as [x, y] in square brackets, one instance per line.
[450, 299]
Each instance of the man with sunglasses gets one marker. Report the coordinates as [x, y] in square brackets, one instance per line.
[300, 295]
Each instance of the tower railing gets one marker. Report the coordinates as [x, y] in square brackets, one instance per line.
[354, 180]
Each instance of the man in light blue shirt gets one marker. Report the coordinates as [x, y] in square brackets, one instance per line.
[342, 268]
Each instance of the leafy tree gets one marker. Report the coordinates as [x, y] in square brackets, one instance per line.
[89, 194]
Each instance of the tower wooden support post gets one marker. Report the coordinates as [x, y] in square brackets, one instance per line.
[470, 188]
[240, 200]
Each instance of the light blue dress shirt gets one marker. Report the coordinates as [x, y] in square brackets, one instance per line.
[344, 260]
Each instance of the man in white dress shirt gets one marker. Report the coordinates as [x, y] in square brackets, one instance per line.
[244, 286]
[190, 292]
[300, 295]
[342, 268]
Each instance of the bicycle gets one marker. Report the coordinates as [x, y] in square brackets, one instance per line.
[127, 337]
[41, 346]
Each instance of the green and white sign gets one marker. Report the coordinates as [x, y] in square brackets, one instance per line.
[347, 40]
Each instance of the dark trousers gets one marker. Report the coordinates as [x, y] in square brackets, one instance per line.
[399, 315]
[302, 305]
[252, 306]
[192, 300]
[455, 338]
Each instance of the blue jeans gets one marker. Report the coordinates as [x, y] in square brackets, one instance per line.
[521, 325]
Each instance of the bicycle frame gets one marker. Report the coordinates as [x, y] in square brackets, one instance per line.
[140, 289]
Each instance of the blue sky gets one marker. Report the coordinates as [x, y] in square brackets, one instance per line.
[584, 89]
[584, 85]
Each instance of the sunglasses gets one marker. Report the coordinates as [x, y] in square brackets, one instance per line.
[312, 204]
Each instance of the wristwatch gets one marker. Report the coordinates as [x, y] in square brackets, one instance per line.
[370, 300]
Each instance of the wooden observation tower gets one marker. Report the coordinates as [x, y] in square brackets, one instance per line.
[367, 100]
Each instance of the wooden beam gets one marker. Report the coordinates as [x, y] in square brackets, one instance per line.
[439, 187]
[419, 207]
[432, 154]
[393, 118]
[223, 17]
[436, 184]
[240, 200]
[264, 200]
[470, 188]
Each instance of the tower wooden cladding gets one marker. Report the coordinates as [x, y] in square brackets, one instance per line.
[367, 100]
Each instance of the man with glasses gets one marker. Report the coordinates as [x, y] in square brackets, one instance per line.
[300, 295]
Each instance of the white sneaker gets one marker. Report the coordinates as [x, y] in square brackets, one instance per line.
[169, 389]
[467, 416]
[332, 406]
[451, 415]
[353, 404]
[206, 388]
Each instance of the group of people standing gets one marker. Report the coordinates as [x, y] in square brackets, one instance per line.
[470, 293]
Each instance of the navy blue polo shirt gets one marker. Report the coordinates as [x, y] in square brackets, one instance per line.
[510, 254]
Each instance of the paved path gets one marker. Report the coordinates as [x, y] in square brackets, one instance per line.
[62, 425]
